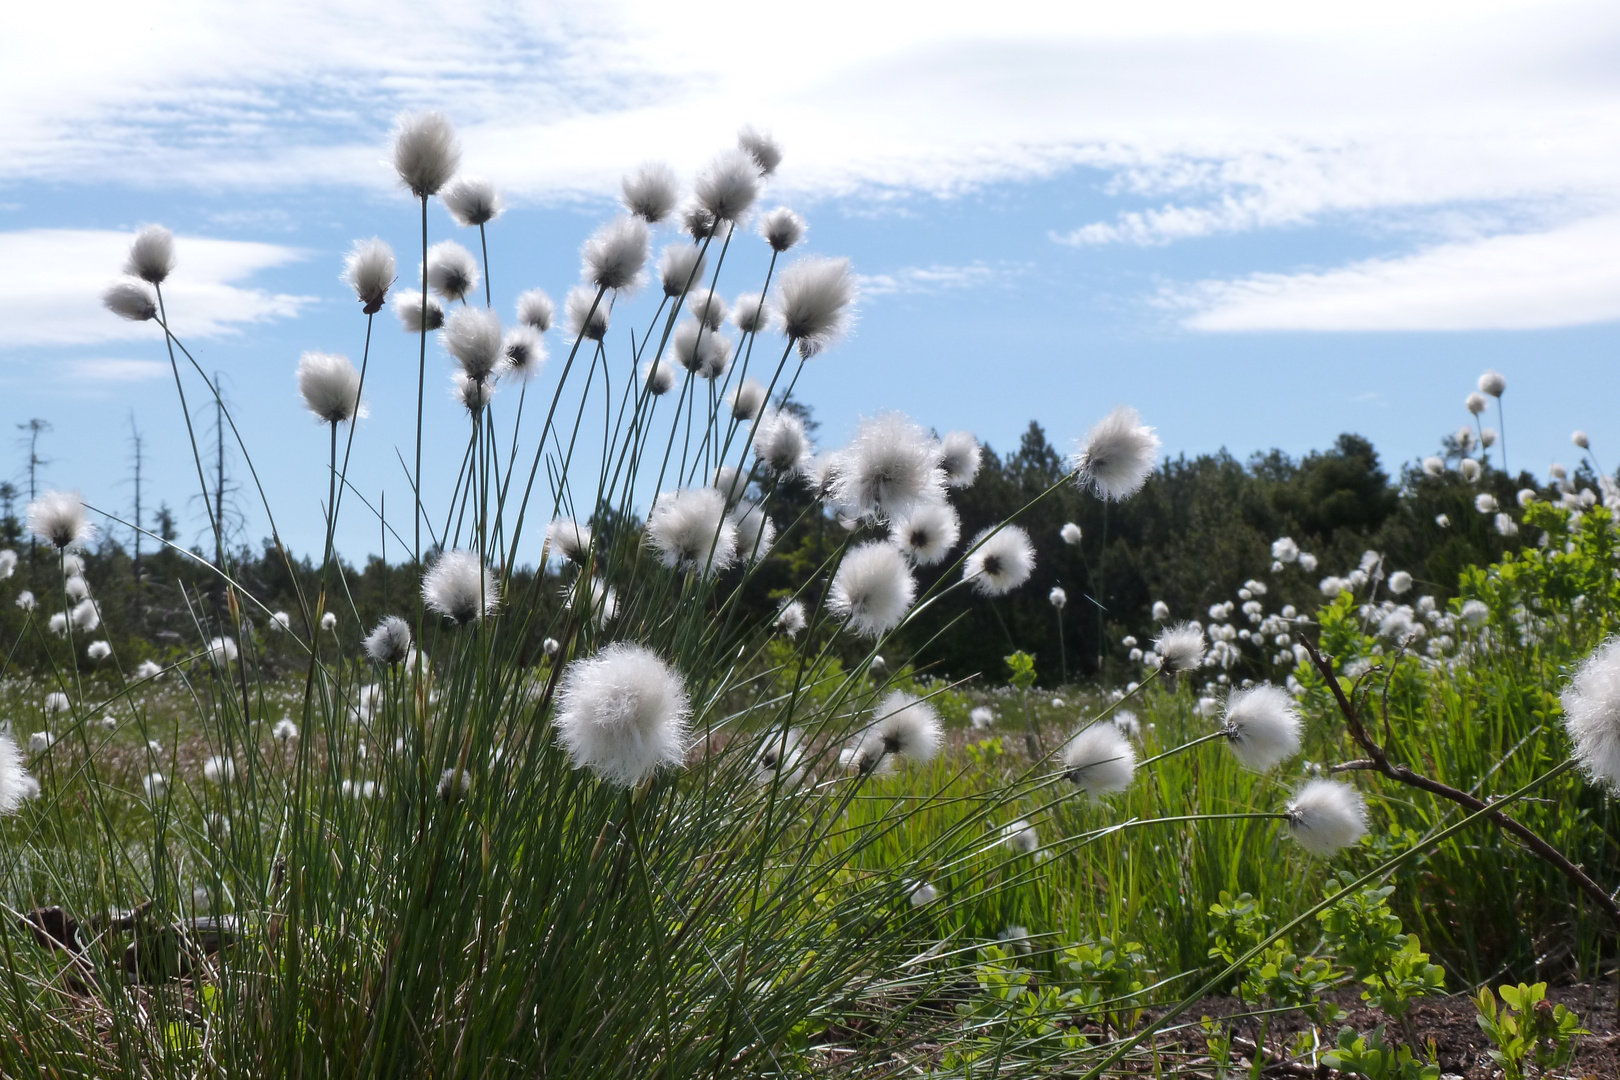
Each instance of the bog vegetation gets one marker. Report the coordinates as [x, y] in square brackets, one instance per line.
[897, 757]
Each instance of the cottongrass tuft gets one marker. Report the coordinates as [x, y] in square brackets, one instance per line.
[390, 642]
[1434, 466]
[330, 386]
[658, 376]
[1582, 440]
[97, 651]
[1400, 582]
[218, 769]
[1057, 597]
[413, 316]
[473, 336]
[1592, 713]
[922, 893]
[707, 307]
[1021, 837]
[1099, 760]
[8, 563]
[747, 399]
[889, 468]
[750, 313]
[1262, 726]
[329, 621]
[1070, 533]
[369, 270]
[1506, 526]
[903, 725]
[756, 533]
[452, 272]
[927, 533]
[473, 394]
[76, 588]
[781, 444]
[1493, 383]
[1181, 646]
[569, 539]
[129, 299]
[454, 784]
[762, 147]
[151, 255]
[56, 702]
[40, 741]
[1474, 403]
[781, 228]
[148, 669]
[16, 786]
[1000, 560]
[1327, 816]
[460, 589]
[690, 531]
[426, 153]
[58, 518]
[781, 754]
[285, 730]
[587, 317]
[959, 456]
[1485, 503]
[1285, 550]
[791, 618]
[680, 268]
[222, 651]
[622, 713]
[616, 253]
[551, 646]
[705, 354]
[155, 785]
[1118, 455]
[981, 717]
[728, 185]
[813, 302]
[873, 588]
[535, 310]
[650, 192]
[523, 352]
[472, 200]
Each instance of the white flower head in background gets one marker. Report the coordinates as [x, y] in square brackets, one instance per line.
[1058, 598]
[690, 531]
[616, 253]
[1492, 383]
[1161, 611]
[1099, 760]
[59, 624]
[473, 336]
[551, 646]
[1181, 646]
[222, 651]
[418, 313]
[781, 228]
[86, 615]
[747, 399]
[58, 518]
[452, 272]
[756, 533]
[426, 152]
[1118, 455]
[97, 651]
[781, 444]
[622, 713]
[707, 307]
[781, 754]
[813, 302]
[390, 642]
[1326, 816]
[790, 619]
[1021, 837]
[369, 269]
[535, 310]
[981, 717]
[1070, 533]
[1434, 466]
[155, 785]
[1580, 439]
[330, 386]
[1487, 437]
[8, 563]
[959, 457]
[750, 313]
[56, 702]
[569, 539]
[329, 622]
[1262, 726]
[148, 669]
[728, 185]
[762, 147]
[903, 725]
[1506, 526]
[650, 192]
[927, 533]
[680, 268]
[285, 730]
[472, 200]
[40, 741]
[454, 785]
[1592, 713]
[873, 588]
[130, 299]
[587, 316]
[1485, 503]
[699, 350]
[890, 467]
[151, 255]
[472, 394]
[922, 893]
[1470, 469]
[76, 588]
[460, 588]
[523, 352]
[16, 786]
[1284, 550]
[1400, 582]
[218, 769]
[658, 376]
[1474, 403]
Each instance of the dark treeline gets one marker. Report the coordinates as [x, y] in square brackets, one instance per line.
[1199, 529]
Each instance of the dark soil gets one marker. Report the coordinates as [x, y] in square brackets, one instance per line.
[1449, 1021]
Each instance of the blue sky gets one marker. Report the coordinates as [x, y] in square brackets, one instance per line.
[1261, 226]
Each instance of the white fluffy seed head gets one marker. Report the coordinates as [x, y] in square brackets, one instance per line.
[873, 588]
[222, 651]
[58, 519]
[460, 589]
[1474, 403]
[762, 147]
[890, 467]
[923, 894]
[1469, 468]
[813, 302]
[926, 533]
[780, 443]
[1492, 383]
[1058, 598]
[8, 563]
[473, 336]
[369, 270]
[749, 313]
[285, 730]
[1021, 837]
[1262, 726]
[390, 642]
[699, 350]
[1400, 582]
[97, 651]
[756, 533]
[615, 254]
[697, 222]
[622, 713]
[1117, 456]
[1506, 526]
[959, 456]
[593, 597]
[790, 619]
[151, 254]
[218, 769]
[728, 185]
[1100, 760]
[454, 784]
[472, 200]
[1284, 550]
[582, 320]
[1182, 647]
[426, 153]
[523, 352]
[650, 192]
[782, 228]
[1581, 440]
[1485, 502]
[1327, 816]
[330, 386]
[452, 272]
[1592, 713]
[690, 531]
[1070, 533]
[658, 376]
[982, 717]
[680, 268]
[1434, 466]
[416, 312]
[707, 307]
[747, 399]
[1000, 560]
[130, 299]
[535, 310]
[473, 394]
[569, 539]
[903, 725]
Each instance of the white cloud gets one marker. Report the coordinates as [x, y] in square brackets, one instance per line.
[913, 280]
[51, 282]
[1565, 276]
[114, 370]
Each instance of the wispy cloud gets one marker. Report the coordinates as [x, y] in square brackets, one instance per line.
[1566, 276]
[51, 282]
[914, 280]
[115, 370]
